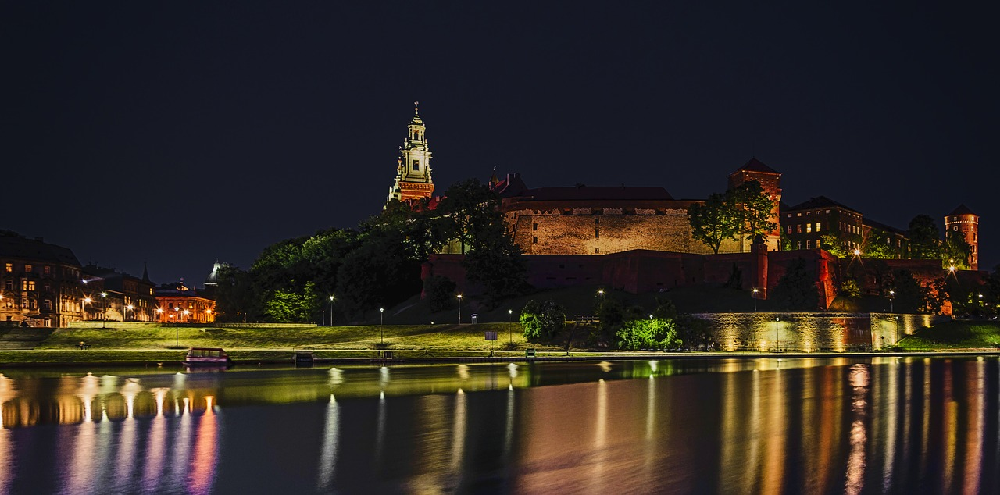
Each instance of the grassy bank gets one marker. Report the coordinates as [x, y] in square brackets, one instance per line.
[954, 335]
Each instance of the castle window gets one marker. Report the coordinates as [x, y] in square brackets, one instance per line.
[8, 267]
[416, 164]
[534, 240]
[597, 250]
[809, 228]
[534, 226]
[817, 226]
[798, 228]
[597, 233]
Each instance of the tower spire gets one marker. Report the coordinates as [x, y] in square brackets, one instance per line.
[413, 168]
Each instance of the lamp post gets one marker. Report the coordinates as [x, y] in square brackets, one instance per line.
[331, 310]
[459, 309]
[125, 314]
[755, 291]
[510, 326]
[104, 310]
[777, 341]
[892, 294]
[381, 311]
[159, 312]
[208, 315]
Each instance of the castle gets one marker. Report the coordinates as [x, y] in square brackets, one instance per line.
[640, 238]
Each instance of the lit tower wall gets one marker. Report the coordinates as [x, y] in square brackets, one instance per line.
[962, 221]
[413, 165]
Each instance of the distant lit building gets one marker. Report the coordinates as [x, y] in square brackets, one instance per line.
[806, 224]
[125, 297]
[177, 303]
[39, 283]
[962, 221]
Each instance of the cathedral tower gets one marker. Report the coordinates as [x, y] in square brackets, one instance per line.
[962, 221]
[413, 165]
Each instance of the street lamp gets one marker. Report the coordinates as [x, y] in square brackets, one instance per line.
[510, 326]
[777, 341]
[381, 311]
[159, 312]
[104, 310]
[86, 301]
[892, 294]
[331, 310]
[459, 309]
[125, 314]
[755, 291]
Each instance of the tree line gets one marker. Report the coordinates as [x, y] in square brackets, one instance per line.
[376, 264]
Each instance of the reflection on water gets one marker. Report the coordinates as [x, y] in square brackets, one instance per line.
[871, 425]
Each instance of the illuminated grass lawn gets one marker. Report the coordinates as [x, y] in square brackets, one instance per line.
[956, 334]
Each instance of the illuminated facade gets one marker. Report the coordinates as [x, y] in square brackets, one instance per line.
[413, 165]
[962, 221]
[39, 283]
[126, 298]
[770, 181]
[176, 303]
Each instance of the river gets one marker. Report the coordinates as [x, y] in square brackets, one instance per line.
[814, 425]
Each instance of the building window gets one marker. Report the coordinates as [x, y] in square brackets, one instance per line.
[416, 164]
[8, 267]
[597, 233]
[597, 250]
[798, 228]
[27, 285]
[789, 228]
[47, 304]
[8, 284]
[47, 270]
[809, 244]
[27, 268]
[817, 226]
[798, 244]
[809, 228]
[534, 240]
[534, 226]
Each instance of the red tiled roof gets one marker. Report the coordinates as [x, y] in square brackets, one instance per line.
[961, 210]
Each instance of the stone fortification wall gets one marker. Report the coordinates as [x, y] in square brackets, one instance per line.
[569, 229]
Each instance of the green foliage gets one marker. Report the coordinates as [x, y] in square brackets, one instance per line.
[955, 251]
[542, 321]
[850, 289]
[713, 222]
[493, 258]
[751, 209]
[925, 238]
[290, 306]
[378, 273]
[647, 333]
[440, 292]
[878, 245]
[796, 290]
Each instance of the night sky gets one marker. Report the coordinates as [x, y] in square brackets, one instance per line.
[181, 132]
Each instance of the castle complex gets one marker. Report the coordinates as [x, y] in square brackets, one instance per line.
[575, 226]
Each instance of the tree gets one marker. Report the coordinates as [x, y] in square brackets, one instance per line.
[236, 296]
[925, 239]
[752, 210]
[908, 296]
[542, 320]
[955, 251]
[291, 306]
[713, 221]
[877, 244]
[796, 290]
[440, 292]
[493, 260]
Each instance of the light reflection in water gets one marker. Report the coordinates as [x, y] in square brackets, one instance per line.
[769, 426]
[860, 378]
[328, 456]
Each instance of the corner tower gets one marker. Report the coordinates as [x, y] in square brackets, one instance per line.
[962, 221]
[770, 181]
[413, 165]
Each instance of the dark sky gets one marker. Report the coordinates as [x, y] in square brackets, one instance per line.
[181, 132]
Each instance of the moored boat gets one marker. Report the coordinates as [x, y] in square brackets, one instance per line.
[207, 356]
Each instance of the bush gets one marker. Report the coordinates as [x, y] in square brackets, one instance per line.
[652, 333]
[542, 320]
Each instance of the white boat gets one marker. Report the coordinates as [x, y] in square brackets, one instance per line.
[207, 356]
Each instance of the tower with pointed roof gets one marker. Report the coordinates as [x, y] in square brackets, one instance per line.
[962, 221]
[770, 180]
[413, 165]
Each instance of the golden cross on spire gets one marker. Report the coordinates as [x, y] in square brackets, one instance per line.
[416, 107]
